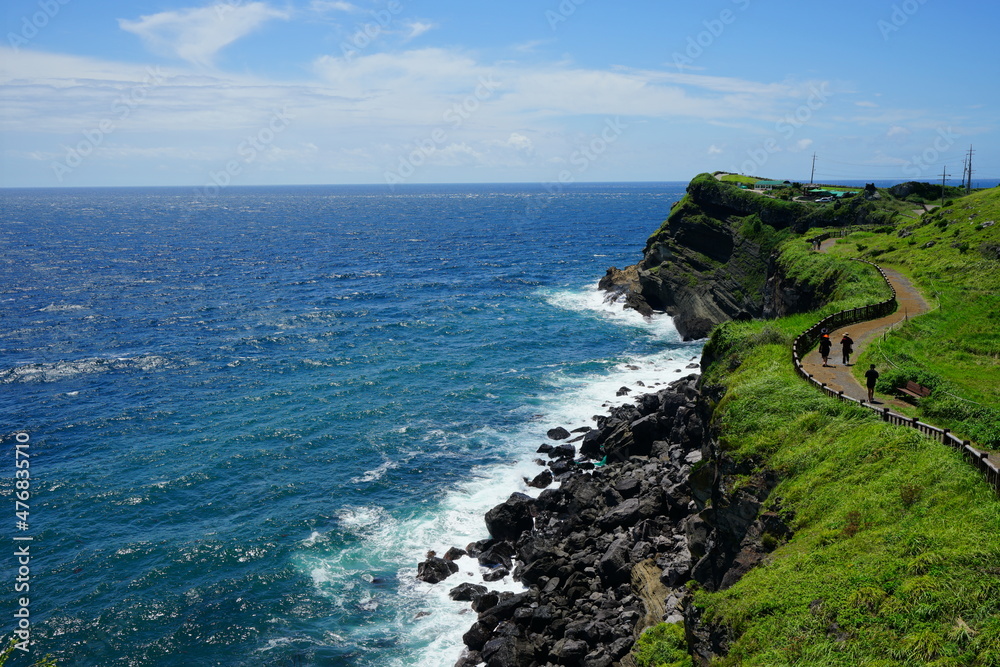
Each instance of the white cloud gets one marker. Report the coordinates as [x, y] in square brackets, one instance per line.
[196, 35]
[898, 131]
[520, 142]
[803, 144]
[324, 6]
[418, 28]
[358, 116]
[865, 103]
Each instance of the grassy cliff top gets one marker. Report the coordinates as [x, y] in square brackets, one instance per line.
[895, 557]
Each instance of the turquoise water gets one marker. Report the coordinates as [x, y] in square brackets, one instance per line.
[251, 415]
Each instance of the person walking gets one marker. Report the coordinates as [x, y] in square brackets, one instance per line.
[824, 347]
[871, 378]
[847, 344]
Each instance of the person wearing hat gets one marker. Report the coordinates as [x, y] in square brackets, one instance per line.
[847, 344]
[824, 347]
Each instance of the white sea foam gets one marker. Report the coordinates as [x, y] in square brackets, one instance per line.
[60, 308]
[375, 474]
[64, 370]
[426, 618]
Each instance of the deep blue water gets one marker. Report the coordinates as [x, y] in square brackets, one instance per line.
[251, 415]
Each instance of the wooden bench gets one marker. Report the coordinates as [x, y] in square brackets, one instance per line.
[917, 391]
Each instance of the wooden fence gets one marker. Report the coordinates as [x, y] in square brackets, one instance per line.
[808, 339]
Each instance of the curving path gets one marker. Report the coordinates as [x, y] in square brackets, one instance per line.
[838, 376]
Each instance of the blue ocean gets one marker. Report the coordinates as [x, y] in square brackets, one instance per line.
[250, 415]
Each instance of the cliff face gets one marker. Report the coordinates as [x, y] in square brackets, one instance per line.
[711, 261]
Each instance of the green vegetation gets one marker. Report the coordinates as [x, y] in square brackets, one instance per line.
[736, 178]
[895, 556]
[896, 539]
[953, 255]
[662, 645]
[11, 652]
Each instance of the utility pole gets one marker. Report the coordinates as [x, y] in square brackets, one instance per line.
[943, 176]
[968, 181]
[813, 174]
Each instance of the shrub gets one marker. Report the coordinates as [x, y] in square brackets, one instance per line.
[662, 645]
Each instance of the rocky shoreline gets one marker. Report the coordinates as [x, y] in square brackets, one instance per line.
[644, 506]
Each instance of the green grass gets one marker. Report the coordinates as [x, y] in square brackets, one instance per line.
[736, 178]
[953, 257]
[662, 645]
[896, 544]
[895, 555]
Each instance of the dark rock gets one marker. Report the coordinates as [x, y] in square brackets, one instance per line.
[496, 573]
[544, 448]
[541, 480]
[591, 444]
[497, 554]
[550, 500]
[467, 592]
[614, 565]
[624, 391]
[542, 617]
[598, 658]
[470, 658]
[558, 433]
[648, 404]
[485, 602]
[455, 553]
[561, 467]
[570, 651]
[503, 652]
[509, 519]
[435, 570]
[564, 451]
[628, 487]
[477, 636]
[625, 514]
[644, 432]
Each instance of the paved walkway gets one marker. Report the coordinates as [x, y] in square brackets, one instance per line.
[836, 375]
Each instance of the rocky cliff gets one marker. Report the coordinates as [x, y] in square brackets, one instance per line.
[613, 549]
[712, 260]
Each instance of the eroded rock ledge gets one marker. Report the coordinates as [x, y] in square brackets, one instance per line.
[612, 549]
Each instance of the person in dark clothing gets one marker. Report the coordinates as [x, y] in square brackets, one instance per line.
[871, 377]
[824, 347]
[847, 343]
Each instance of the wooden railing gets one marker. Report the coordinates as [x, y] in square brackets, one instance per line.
[808, 338]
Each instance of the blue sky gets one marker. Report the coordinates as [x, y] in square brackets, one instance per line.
[247, 92]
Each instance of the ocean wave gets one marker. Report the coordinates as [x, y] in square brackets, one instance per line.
[65, 370]
[61, 308]
[594, 301]
[375, 474]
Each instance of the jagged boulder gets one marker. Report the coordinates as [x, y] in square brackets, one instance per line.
[435, 570]
[509, 519]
